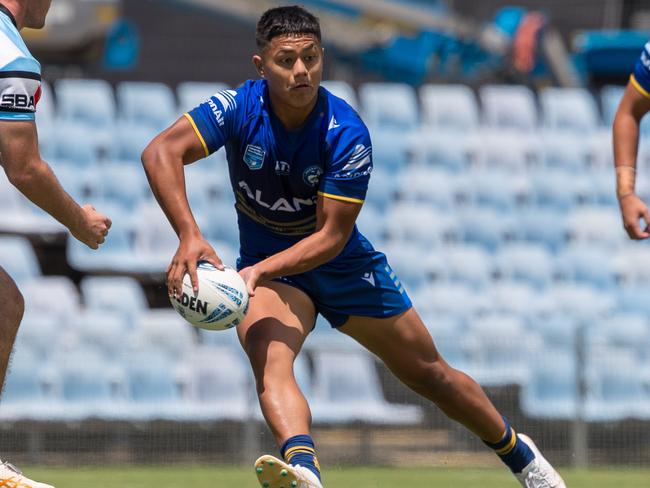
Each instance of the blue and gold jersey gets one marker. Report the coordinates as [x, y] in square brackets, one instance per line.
[640, 79]
[20, 73]
[277, 174]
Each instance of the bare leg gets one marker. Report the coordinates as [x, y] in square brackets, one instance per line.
[279, 319]
[405, 346]
[12, 307]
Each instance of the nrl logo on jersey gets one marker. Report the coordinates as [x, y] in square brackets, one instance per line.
[254, 157]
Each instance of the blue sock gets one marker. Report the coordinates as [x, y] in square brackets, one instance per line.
[300, 450]
[513, 451]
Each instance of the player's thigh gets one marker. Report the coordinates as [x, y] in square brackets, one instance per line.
[11, 300]
[402, 342]
[278, 320]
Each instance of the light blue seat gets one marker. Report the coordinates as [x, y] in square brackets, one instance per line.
[581, 301]
[544, 226]
[552, 390]
[39, 333]
[131, 139]
[104, 330]
[510, 107]
[499, 189]
[449, 108]
[406, 260]
[468, 264]
[192, 93]
[602, 186]
[430, 187]
[389, 106]
[457, 300]
[154, 242]
[164, 330]
[567, 152]
[342, 90]
[381, 189]
[86, 101]
[220, 223]
[632, 298]
[525, 262]
[597, 225]
[487, 227]
[371, 223]
[80, 146]
[610, 97]
[449, 335]
[557, 330]
[219, 384]
[347, 389]
[617, 388]
[20, 215]
[519, 299]
[123, 184]
[569, 109]
[89, 384]
[56, 296]
[454, 152]
[627, 331]
[146, 103]
[152, 388]
[503, 349]
[507, 151]
[420, 225]
[18, 258]
[588, 263]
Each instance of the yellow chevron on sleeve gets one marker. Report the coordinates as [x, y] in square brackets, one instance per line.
[339, 197]
[638, 87]
[196, 129]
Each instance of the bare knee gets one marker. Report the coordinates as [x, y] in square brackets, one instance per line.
[431, 379]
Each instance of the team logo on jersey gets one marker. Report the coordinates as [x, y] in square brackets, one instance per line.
[282, 168]
[254, 157]
[312, 175]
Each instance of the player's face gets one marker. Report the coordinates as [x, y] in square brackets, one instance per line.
[293, 68]
[35, 13]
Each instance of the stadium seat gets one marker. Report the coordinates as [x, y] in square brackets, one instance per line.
[507, 151]
[486, 227]
[587, 263]
[219, 384]
[433, 148]
[627, 331]
[557, 330]
[610, 97]
[407, 260]
[85, 101]
[567, 152]
[469, 264]
[123, 184]
[158, 112]
[79, 146]
[153, 389]
[23, 392]
[603, 187]
[503, 350]
[164, 330]
[131, 139]
[430, 187]
[581, 301]
[156, 242]
[417, 224]
[347, 389]
[525, 262]
[18, 258]
[342, 90]
[220, 223]
[449, 108]
[39, 332]
[552, 390]
[192, 93]
[499, 189]
[381, 190]
[371, 224]
[596, 225]
[449, 335]
[632, 298]
[569, 110]
[543, 225]
[456, 300]
[56, 296]
[389, 105]
[632, 264]
[102, 329]
[509, 107]
[617, 388]
[519, 299]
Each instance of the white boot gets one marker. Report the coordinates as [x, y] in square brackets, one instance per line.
[274, 473]
[539, 473]
[12, 477]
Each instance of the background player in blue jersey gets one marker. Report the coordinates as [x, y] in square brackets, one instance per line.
[20, 76]
[299, 161]
[634, 105]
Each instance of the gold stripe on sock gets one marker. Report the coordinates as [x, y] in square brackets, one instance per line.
[289, 453]
[511, 445]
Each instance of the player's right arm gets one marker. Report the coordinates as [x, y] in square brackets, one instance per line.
[22, 163]
[633, 106]
[163, 160]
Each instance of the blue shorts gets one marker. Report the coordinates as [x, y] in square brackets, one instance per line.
[360, 283]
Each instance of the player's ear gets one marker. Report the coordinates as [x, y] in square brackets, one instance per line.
[259, 65]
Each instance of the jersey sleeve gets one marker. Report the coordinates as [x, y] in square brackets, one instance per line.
[640, 79]
[216, 120]
[19, 94]
[347, 174]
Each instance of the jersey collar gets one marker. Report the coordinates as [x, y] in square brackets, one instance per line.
[8, 13]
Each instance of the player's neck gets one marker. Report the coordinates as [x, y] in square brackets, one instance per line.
[290, 117]
[17, 11]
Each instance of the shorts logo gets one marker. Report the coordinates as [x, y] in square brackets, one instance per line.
[254, 157]
[312, 175]
[369, 277]
[282, 168]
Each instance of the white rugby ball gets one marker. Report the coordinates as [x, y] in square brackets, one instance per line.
[221, 302]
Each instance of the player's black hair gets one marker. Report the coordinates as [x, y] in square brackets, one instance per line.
[281, 21]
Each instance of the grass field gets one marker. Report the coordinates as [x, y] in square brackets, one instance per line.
[202, 477]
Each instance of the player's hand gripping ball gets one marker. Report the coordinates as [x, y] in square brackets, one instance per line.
[221, 302]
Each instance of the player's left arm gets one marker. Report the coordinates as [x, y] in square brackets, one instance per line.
[334, 224]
